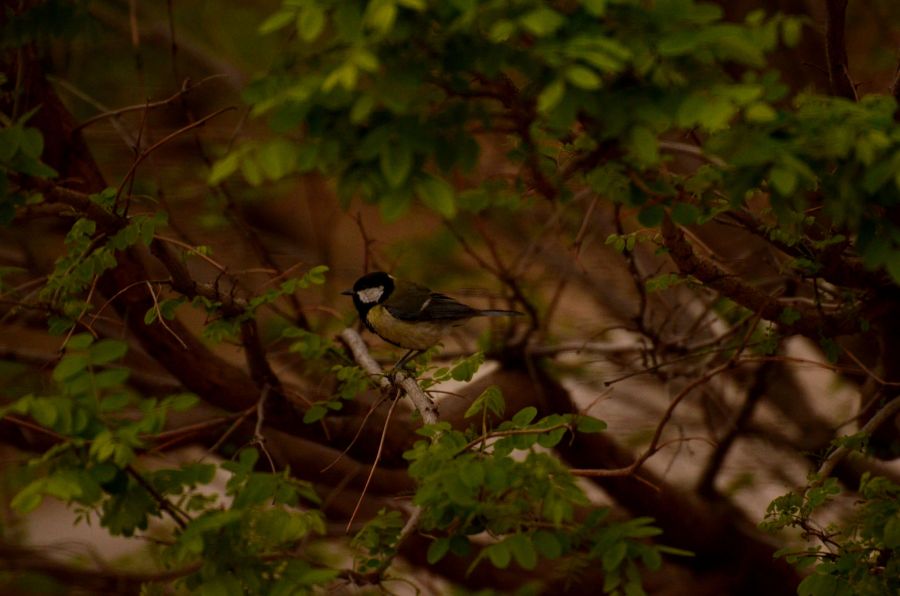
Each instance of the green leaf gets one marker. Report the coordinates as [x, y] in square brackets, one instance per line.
[107, 350]
[114, 402]
[111, 378]
[819, 585]
[466, 368]
[588, 424]
[182, 401]
[316, 275]
[10, 138]
[69, 366]
[437, 195]
[671, 550]
[524, 416]
[381, 14]
[277, 159]
[417, 5]
[32, 142]
[760, 112]
[250, 170]
[791, 30]
[651, 216]
[783, 180]
[583, 77]
[29, 498]
[437, 550]
[596, 8]
[685, 214]
[365, 60]
[310, 21]
[501, 31]
[491, 400]
[892, 264]
[643, 146]
[789, 316]
[551, 95]
[315, 413]
[892, 532]
[277, 21]
[499, 555]
[396, 160]
[542, 21]
[523, 551]
[552, 438]
[44, 412]
[80, 341]
[614, 556]
[394, 204]
[547, 544]
[472, 474]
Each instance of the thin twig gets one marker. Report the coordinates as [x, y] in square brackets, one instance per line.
[161, 318]
[515, 432]
[374, 464]
[145, 153]
[362, 425]
[244, 415]
[258, 437]
[185, 88]
[174, 512]
[654, 446]
[193, 250]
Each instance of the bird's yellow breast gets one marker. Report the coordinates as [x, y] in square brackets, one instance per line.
[412, 336]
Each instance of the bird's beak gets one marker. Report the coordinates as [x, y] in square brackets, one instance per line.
[347, 293]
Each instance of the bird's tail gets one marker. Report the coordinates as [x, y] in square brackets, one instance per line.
[500, 313]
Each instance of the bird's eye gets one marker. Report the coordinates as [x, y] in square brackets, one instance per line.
[370, 295]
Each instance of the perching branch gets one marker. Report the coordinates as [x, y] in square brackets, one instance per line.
[422, 402]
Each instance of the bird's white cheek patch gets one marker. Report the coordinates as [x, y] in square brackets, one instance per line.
[370, 295]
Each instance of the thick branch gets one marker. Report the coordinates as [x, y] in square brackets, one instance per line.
[835, 268]
[810, 323]
[836, 50]
[884, 414]
[707, 484]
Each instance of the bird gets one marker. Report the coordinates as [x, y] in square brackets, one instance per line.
[409, 315]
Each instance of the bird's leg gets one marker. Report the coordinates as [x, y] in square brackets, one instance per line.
[400, 363]
[407, 357]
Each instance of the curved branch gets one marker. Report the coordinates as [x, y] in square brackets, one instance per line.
[811, 322]
[839, 454]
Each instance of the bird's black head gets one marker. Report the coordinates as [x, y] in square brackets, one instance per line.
[369, 290]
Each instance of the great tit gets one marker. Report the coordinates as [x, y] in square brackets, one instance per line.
[409, 315]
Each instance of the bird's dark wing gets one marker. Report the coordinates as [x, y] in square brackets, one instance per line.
[445, 308]
[416, 303]
[407, 300]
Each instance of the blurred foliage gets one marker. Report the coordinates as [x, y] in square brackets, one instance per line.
[393, 101]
